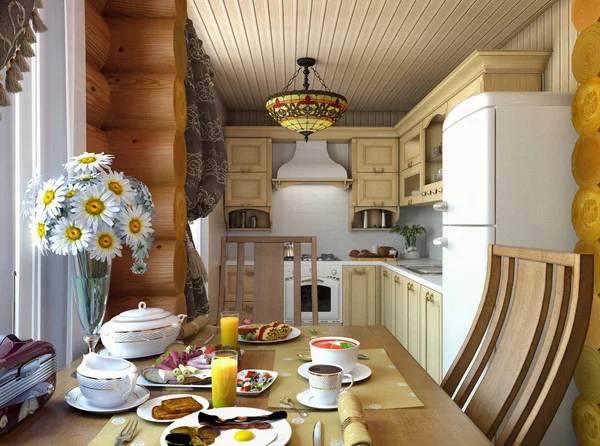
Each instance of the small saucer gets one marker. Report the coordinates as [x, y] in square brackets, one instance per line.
[75, 398]
[307, 399]
[359, 373]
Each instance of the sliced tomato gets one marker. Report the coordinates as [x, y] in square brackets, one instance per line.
[209, 350]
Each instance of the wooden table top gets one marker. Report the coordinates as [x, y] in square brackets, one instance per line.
[440, 422]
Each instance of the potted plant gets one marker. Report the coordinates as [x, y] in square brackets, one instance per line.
[410, 239]
[90, 213]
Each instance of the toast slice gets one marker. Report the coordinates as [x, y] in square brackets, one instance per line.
[181, 405]
[158, 413]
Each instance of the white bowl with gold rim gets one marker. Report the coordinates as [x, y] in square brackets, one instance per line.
[140, 332]
[344, 357]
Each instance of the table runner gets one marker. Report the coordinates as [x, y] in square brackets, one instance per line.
[148, 434]
[384, 389]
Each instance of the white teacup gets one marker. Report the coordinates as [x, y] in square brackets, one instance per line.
[325, 382]
[106, 382]
[344, 357]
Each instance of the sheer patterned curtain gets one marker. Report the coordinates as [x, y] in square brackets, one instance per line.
[206, 162]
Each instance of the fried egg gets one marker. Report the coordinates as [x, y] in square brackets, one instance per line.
[257, 437]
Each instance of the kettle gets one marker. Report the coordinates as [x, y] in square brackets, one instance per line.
[288, 249]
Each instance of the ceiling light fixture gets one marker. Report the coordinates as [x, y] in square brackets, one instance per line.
[306, 111]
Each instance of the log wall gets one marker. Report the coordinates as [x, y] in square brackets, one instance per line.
[136, 110]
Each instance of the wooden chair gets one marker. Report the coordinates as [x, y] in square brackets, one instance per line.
[269, 287]
[526, 323]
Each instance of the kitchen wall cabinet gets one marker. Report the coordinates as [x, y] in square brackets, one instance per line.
[433, 333]
[231, 289]
[377, 189]
[376, 155]
[248, 187]
[412, 147]
[388, 307]
[401, 316]
[411, 184]
[417, 322]
[360, 302]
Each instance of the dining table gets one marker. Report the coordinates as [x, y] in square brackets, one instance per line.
[438, 422]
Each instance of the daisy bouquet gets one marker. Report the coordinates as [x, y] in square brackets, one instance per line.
[91, 212]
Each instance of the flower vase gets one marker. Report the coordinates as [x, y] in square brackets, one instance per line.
[91, 282]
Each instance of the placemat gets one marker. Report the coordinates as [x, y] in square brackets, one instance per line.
[384, 389]
[148, 434]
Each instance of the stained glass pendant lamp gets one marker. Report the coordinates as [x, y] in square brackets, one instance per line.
[306, 111]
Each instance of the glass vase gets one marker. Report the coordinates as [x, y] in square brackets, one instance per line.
[91, 282]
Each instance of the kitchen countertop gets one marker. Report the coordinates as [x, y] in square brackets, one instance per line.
[433, 281]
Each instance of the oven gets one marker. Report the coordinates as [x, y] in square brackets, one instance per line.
[329, 298]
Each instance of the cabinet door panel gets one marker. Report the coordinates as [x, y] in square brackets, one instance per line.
[247, 154]
[359, 295]
[433, 362]
[246, 189]
[231, 283]
[416, 321]
[387, 301]
[377, 189]
[412, 148]
[411, 180]
[401, 310]
[377, 155]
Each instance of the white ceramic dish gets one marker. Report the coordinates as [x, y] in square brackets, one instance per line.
[306, 398]
[75, 398]
[360, 372]
[344, 357]
[106, 382]
[145, 410]
[106, 354]
[242, 374]
[282, 427]
[141, 332]
[293, 335]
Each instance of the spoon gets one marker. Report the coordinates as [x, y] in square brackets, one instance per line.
[288, 402]
[306, 356]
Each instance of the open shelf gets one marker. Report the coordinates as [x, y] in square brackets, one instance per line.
[373, 218]
[233, 216]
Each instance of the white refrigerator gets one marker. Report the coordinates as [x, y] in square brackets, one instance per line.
[507, 180]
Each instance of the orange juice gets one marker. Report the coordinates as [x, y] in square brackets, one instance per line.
[229, 328]
[224, 376]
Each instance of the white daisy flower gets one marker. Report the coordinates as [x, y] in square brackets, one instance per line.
[95, 205]
[51, 196]
[105, 245]
[88, 163]
[39, 232]
[29, 197]
[140, 249]
[69, 237]
[135, 224]
[73, 188]
[118, 185]
[139, 267]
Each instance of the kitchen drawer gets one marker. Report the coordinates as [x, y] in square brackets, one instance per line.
[246, 155]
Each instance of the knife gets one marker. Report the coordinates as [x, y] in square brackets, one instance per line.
[217, 330]
[318, 434]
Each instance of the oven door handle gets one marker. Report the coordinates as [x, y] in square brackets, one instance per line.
[310, 280]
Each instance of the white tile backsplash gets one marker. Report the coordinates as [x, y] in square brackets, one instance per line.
[322, 211]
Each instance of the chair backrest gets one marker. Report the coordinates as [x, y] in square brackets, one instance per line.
[269, 286]
[531, 323]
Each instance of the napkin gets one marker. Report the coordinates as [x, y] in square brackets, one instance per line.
[354, 425]
[192, 328]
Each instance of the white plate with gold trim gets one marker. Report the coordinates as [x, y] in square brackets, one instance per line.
[75, 398]
[293, 335]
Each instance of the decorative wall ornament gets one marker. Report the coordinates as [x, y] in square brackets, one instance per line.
[306, 111]
[19, 22]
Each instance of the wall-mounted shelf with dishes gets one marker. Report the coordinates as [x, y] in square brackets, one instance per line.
[362, 218]
[248, 218]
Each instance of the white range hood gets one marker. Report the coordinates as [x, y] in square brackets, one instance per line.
[311, 164]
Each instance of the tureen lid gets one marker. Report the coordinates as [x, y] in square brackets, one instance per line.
[141, 314]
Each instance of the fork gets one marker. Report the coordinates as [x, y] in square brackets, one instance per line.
[127, 433]
[313, 331]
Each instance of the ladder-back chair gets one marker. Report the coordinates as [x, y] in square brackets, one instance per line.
[520, 354]
[269, 286]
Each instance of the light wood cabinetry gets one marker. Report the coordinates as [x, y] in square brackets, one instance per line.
[417, 321]
[360, 295]
[401, 310]
[388, 307]
[412, 147]
[433, 333]
[411, 184]
[248, 186]
[377, 189]
[376, 155]
[231, 287]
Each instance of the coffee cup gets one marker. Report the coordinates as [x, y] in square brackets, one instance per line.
[106, 382]
[325, 382]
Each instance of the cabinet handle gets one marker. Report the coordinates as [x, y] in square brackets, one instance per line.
[244, 203]
[423, 193]
[385, 273]
[249, 273]
[360, 272]
[410, 286]
[310, 280]
[410, 164]
[409, 202]
[248, 307]
[396, 279]
[428, 192]
[375, 170]
[245, 169]
[429, 297]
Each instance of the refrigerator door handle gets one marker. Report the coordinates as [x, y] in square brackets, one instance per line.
[441, 206]
[441, 242]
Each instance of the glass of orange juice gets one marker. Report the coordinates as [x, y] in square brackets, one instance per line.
[230, 321]
[224, 377]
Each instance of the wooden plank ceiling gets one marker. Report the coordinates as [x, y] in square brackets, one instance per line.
[383, 55]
